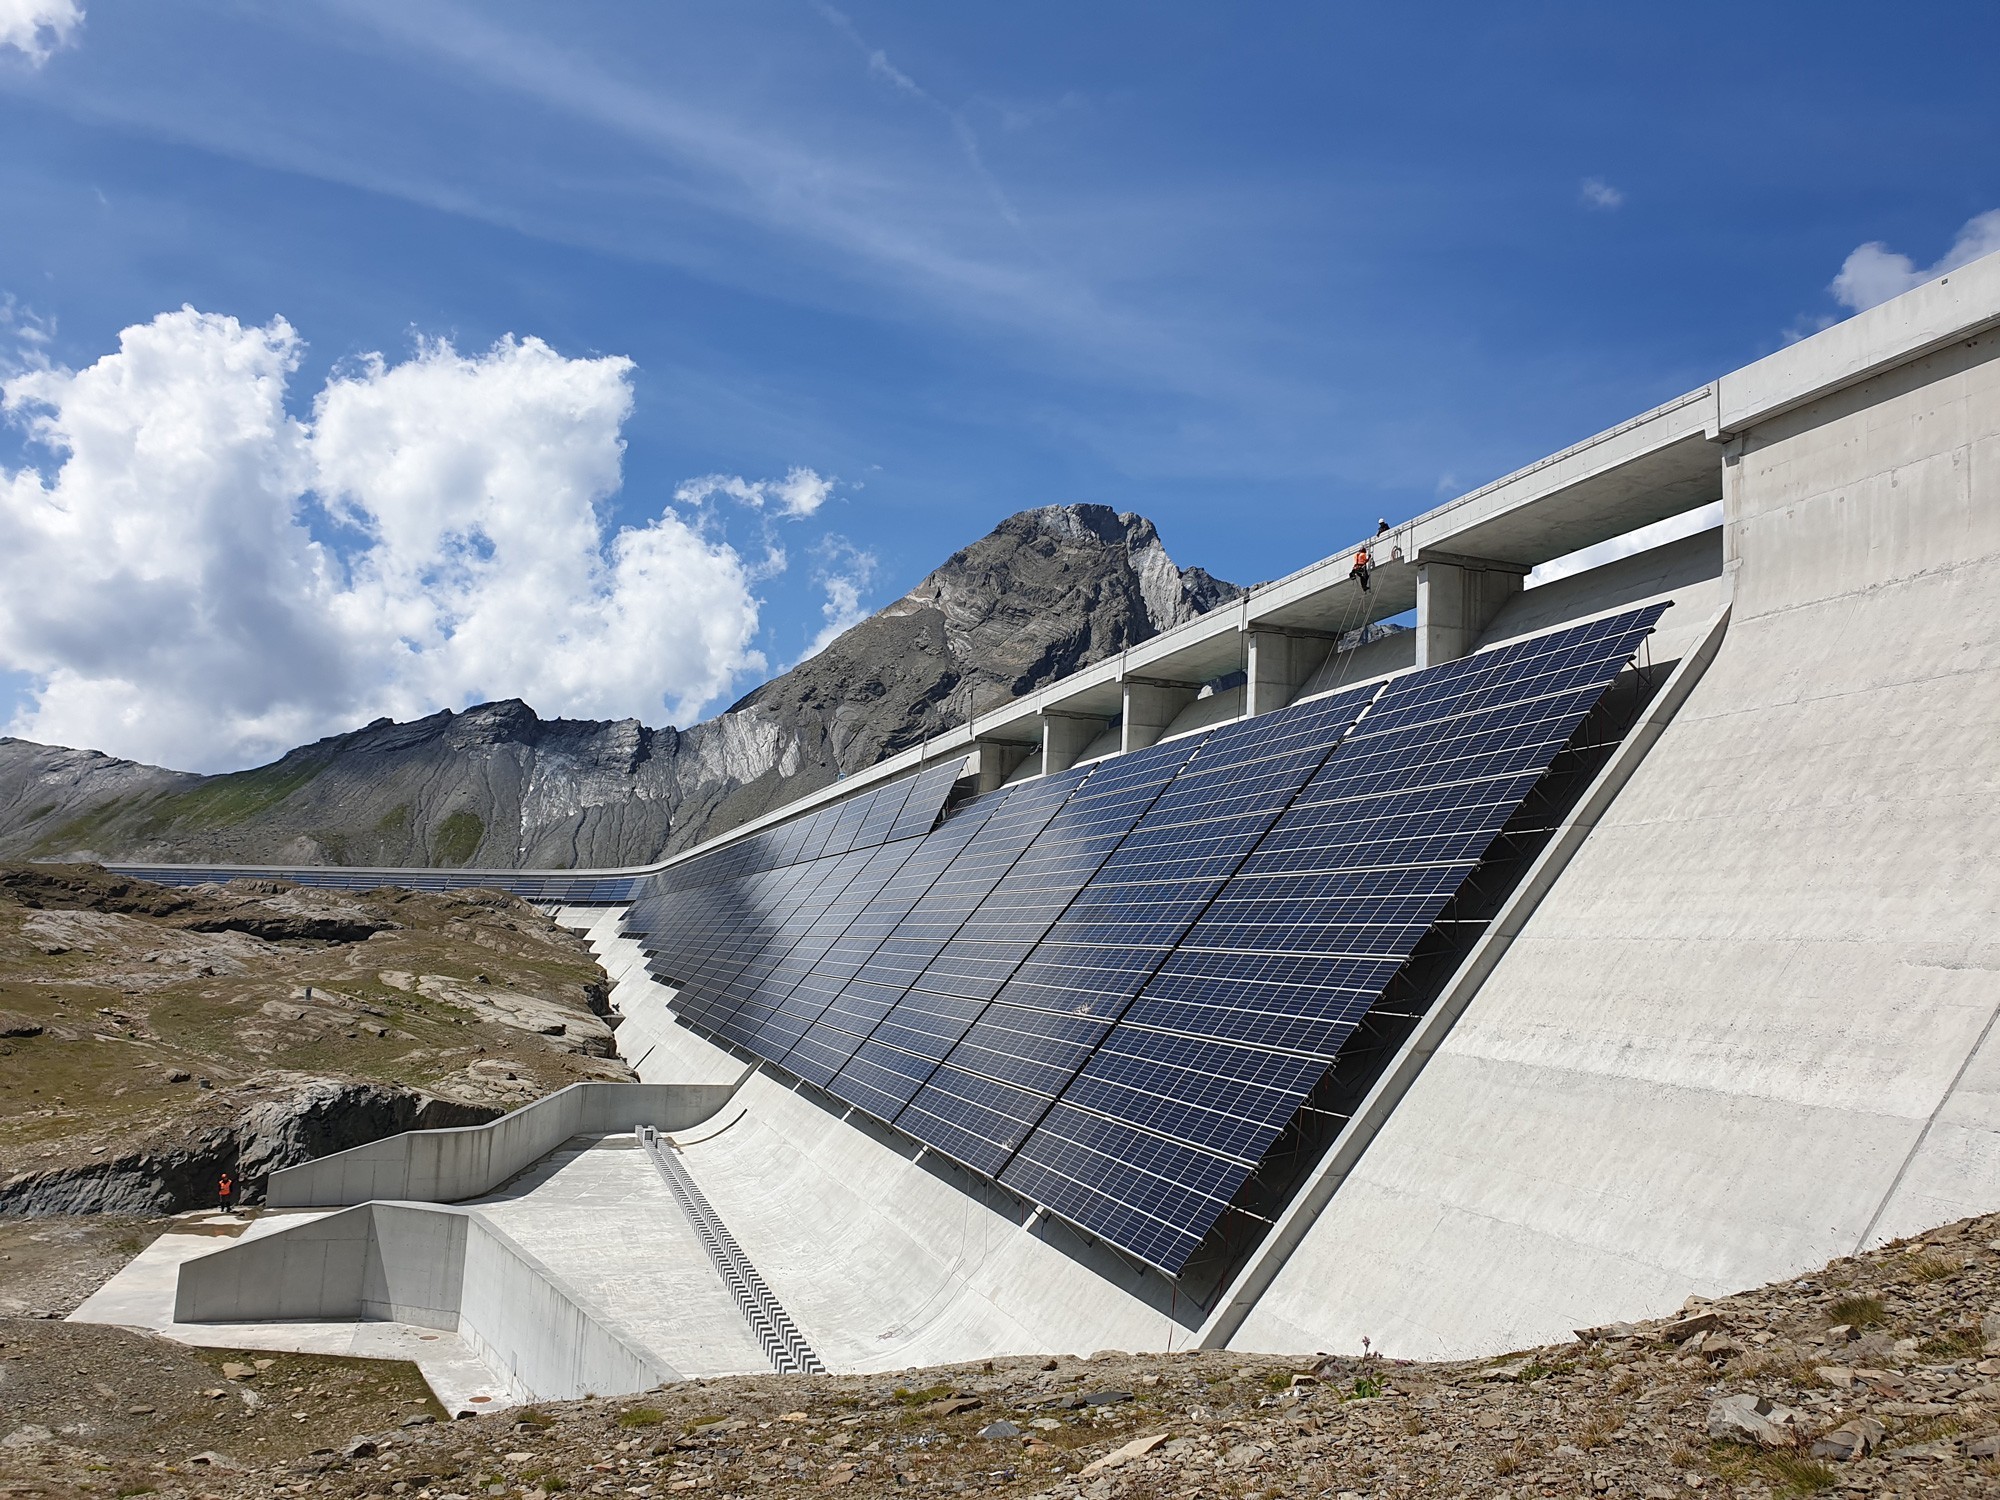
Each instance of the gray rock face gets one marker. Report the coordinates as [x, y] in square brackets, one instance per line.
[1046, 592]
[318, 1117]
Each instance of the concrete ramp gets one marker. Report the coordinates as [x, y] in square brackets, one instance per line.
[597, 1215]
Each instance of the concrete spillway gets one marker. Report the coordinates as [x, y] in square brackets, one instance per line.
[1737, 1022]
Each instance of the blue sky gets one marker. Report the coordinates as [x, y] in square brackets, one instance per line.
[1259, 273]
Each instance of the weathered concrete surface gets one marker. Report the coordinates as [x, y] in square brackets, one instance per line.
[430, 1267]
[1749, 1028]
[642, 1002]
[884, 1263]
[598, 1216]
[446, 1166]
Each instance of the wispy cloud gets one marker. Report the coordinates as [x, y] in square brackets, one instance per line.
[38, 29]
[800, 493]
[846, 572]
[1601, 195]
[1874, 273]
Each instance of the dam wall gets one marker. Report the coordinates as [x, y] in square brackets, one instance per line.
[1749, 1029]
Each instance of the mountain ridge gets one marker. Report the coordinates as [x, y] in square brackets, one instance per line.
[496, 785]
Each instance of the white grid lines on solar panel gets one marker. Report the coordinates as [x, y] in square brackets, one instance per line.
[1286, 1016]
[1144, 1190]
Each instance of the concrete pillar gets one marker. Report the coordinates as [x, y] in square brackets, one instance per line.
[1065, 737]
[1457, 598]
[998, 760]
[1150, 706]
[1277, 663]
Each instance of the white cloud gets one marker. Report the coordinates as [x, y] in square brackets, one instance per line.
[1597, 193]
[1874, 273]
[800, 493]
[39, 28]
[164, 593]
[845, 572]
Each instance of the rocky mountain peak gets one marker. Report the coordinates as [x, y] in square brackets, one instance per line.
[1045, 592]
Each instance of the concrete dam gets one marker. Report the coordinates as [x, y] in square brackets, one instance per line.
[1622, 931]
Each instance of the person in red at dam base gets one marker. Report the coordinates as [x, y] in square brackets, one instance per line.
[225, 1192]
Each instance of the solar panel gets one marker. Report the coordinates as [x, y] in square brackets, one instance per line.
[948, 995]
[1224, 1043]
[1060, 1002]
[1111, 989]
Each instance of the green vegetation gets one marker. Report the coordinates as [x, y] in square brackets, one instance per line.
[395, 822]
[923, 1397]
[1956, 1344]
[1788, 1473]
[1932, 1268]
[222, 801]
[458, 836]
[1539, 1371]
[1858, 1312]
[1367, 1388]
[80, 832]
[641, 1416]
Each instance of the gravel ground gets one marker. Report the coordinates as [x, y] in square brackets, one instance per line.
[1879, 1375]
[48, 1266]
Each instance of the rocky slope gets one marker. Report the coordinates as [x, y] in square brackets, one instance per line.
[151, 1038]
[1877, 1376]
[497, 786]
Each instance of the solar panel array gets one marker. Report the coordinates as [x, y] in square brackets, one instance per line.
[1112, 988]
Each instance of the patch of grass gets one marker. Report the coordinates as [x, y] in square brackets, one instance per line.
[1797, 1475]
[223, 801]
[80, 832]
[1930, 1430]
[1366, 1388]
[1540, 1371]
[1860, 1312]
[641, 1416]
[1955, 1344]
[920, 1397]
[394, 822]
[1786, 1473]
[457, 837]
[534, 1417]
[1929, 1268]
[1278, 1380]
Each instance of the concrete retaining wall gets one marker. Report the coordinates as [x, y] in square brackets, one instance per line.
[434, 1267]
[379, 1261]
[555, 1342]
[446, 1166]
